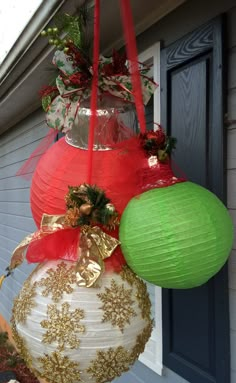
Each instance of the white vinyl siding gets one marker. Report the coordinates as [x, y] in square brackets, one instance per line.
[16, 221]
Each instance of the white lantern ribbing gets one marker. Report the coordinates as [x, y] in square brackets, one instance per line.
[70, 334]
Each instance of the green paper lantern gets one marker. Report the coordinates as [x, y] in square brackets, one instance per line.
[176, 237]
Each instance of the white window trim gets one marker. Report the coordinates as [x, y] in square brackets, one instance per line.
[152, 356]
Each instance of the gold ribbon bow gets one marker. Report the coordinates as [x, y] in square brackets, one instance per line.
[49, 225]
[94, 246]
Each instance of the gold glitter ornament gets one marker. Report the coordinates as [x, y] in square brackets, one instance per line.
[72, 216]
[59, 369]
[142, 293]
[63, 325]
[141, 341]
[86, 208]
[24, 302]
[58, 281]
[117, 305]
[110, 364]
[20, 343]
[72, 333]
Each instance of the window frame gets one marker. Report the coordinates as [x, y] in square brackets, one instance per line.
[152, 356]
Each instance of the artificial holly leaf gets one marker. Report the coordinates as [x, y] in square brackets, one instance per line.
[170, 144]
[46, 101]
[60, 64]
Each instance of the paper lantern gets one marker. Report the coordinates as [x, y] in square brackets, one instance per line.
[176, 237]
[72, 334]
[115, 171]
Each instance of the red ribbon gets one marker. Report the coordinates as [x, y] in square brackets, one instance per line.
[132, 55]
[62, 244]
[93, 104]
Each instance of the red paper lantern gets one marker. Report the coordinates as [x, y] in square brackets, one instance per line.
[115, 171]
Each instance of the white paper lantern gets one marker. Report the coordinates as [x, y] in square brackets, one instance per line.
[75, 334]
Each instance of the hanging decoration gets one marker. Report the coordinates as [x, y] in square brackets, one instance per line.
[70, 333]
[81, 235]
[82, 315]
[73, 85]
[123, 172]
[156, 168]
[177, 234]
[117, 172]
[74, 316]
[68, 109]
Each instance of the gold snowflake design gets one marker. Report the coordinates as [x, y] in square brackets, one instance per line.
[144, 302]
[59, 281]
[128, 275]
[142, 293]
[58, 368]
[110, 364]
[22, 348]
[24, 302]
[62, 326]
[141, 341]
[117, 304]
[20, 343]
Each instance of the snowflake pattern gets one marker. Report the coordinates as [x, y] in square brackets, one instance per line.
[24, 302]
[59, 281]
[117, 305]
[128, 275]
[142, 293]
[59, 369]
[20, 343]
[144, 302]
[62, 326]
[141, 341]
[110, 364]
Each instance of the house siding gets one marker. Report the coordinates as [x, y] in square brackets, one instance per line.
[18, 143]
[16, 220]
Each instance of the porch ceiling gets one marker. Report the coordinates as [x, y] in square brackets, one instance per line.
[20, 83]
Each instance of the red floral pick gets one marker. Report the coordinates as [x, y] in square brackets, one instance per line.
[78, 78]
[119, 62]
[152, 141]
[117, 66]
[159, 136]
[48, 90]
[78, 58]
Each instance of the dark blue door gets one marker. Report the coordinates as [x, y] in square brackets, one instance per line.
[196, 323]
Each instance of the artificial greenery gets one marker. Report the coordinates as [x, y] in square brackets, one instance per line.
[12, 365]
[170, 144]
[12, 358]
[88, 205]
[68, 30]
[3, 338]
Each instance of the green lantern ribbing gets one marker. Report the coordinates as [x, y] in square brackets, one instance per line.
[176, 237]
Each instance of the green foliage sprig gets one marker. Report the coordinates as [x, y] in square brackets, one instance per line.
[88, 205]
[69, 30]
